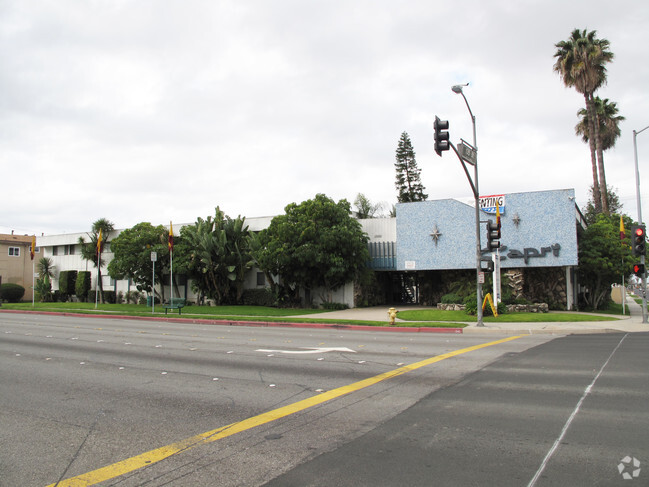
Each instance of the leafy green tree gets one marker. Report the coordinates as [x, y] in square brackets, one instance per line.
[132, 256]
[581, 63]
[408, 181]
[216, 256]
[603, 259]
[365, 208]
[89, 249]
[315, 244]
[614, 205]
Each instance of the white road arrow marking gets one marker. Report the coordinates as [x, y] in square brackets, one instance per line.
[309, 350]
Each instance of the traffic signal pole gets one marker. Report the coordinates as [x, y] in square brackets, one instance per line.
[637, 192]
[478, 250]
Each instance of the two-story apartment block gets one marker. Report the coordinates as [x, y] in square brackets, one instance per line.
[16, 265]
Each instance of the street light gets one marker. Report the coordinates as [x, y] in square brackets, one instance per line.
[458, 89]
[637, 192]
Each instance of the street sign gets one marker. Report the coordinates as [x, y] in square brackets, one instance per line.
[154, 256]
[481, 277]
[467, 153]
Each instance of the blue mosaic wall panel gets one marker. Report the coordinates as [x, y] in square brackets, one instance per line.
[538, 230]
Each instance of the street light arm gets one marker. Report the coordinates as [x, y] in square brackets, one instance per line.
[475, 143]
[466, 171]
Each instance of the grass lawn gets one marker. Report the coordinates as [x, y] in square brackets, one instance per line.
[439, 315]
[222, 313]
[424, 317]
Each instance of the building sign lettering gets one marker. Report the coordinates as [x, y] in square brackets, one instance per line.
[527, 253]
[488, 203]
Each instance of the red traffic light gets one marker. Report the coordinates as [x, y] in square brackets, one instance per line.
[638, 244]
[638, 269]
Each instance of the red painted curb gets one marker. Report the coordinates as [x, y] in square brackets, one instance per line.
[337, 326]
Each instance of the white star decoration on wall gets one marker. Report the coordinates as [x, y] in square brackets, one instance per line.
[435, 234]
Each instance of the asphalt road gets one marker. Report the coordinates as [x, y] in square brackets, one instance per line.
[573, 411]
[127, 402]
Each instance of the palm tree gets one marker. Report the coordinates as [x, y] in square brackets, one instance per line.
[43, 288]
[581, 64]
[608, 123]
[45, 268]
[89, 250]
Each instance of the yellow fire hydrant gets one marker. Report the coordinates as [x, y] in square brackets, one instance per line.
[392, 313]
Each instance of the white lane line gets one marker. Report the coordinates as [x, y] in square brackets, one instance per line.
[572, 417]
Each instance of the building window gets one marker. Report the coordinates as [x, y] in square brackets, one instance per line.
[55, 250]
[71, 249]
[14, 251]
[261, 279]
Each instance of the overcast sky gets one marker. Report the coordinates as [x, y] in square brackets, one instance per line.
[162, 110]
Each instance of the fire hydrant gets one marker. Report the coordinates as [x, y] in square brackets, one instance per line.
[392, 313]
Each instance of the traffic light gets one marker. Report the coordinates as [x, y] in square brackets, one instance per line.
[441, 136]
[638, 269]
[493, 235]
[486, 265]
[638, 240]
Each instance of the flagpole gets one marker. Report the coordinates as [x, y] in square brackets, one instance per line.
[98, 267]
[623, 291]
[171, 258]
[32, 251]
[97, 280]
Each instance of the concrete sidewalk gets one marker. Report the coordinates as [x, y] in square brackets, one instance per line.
[623, 324]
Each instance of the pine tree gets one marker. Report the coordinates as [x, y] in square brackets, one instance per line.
[408, 181]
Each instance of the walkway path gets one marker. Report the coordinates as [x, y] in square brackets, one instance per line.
[631, 323]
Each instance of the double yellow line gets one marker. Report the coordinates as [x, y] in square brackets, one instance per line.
[146, 459]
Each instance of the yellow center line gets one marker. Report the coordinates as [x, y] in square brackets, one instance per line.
[148, 458]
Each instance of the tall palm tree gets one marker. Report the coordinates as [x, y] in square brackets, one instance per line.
[89, 249]
[608, 122]
[581, 64]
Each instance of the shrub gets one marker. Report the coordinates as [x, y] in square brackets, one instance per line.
[471, 304]
[452, 298]
[11, 292]
[43, 289]
[82, 287]
[258, 297]
[109, 297]
[132, 297]
[67, 284]
[119, 299]
[333, 306]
